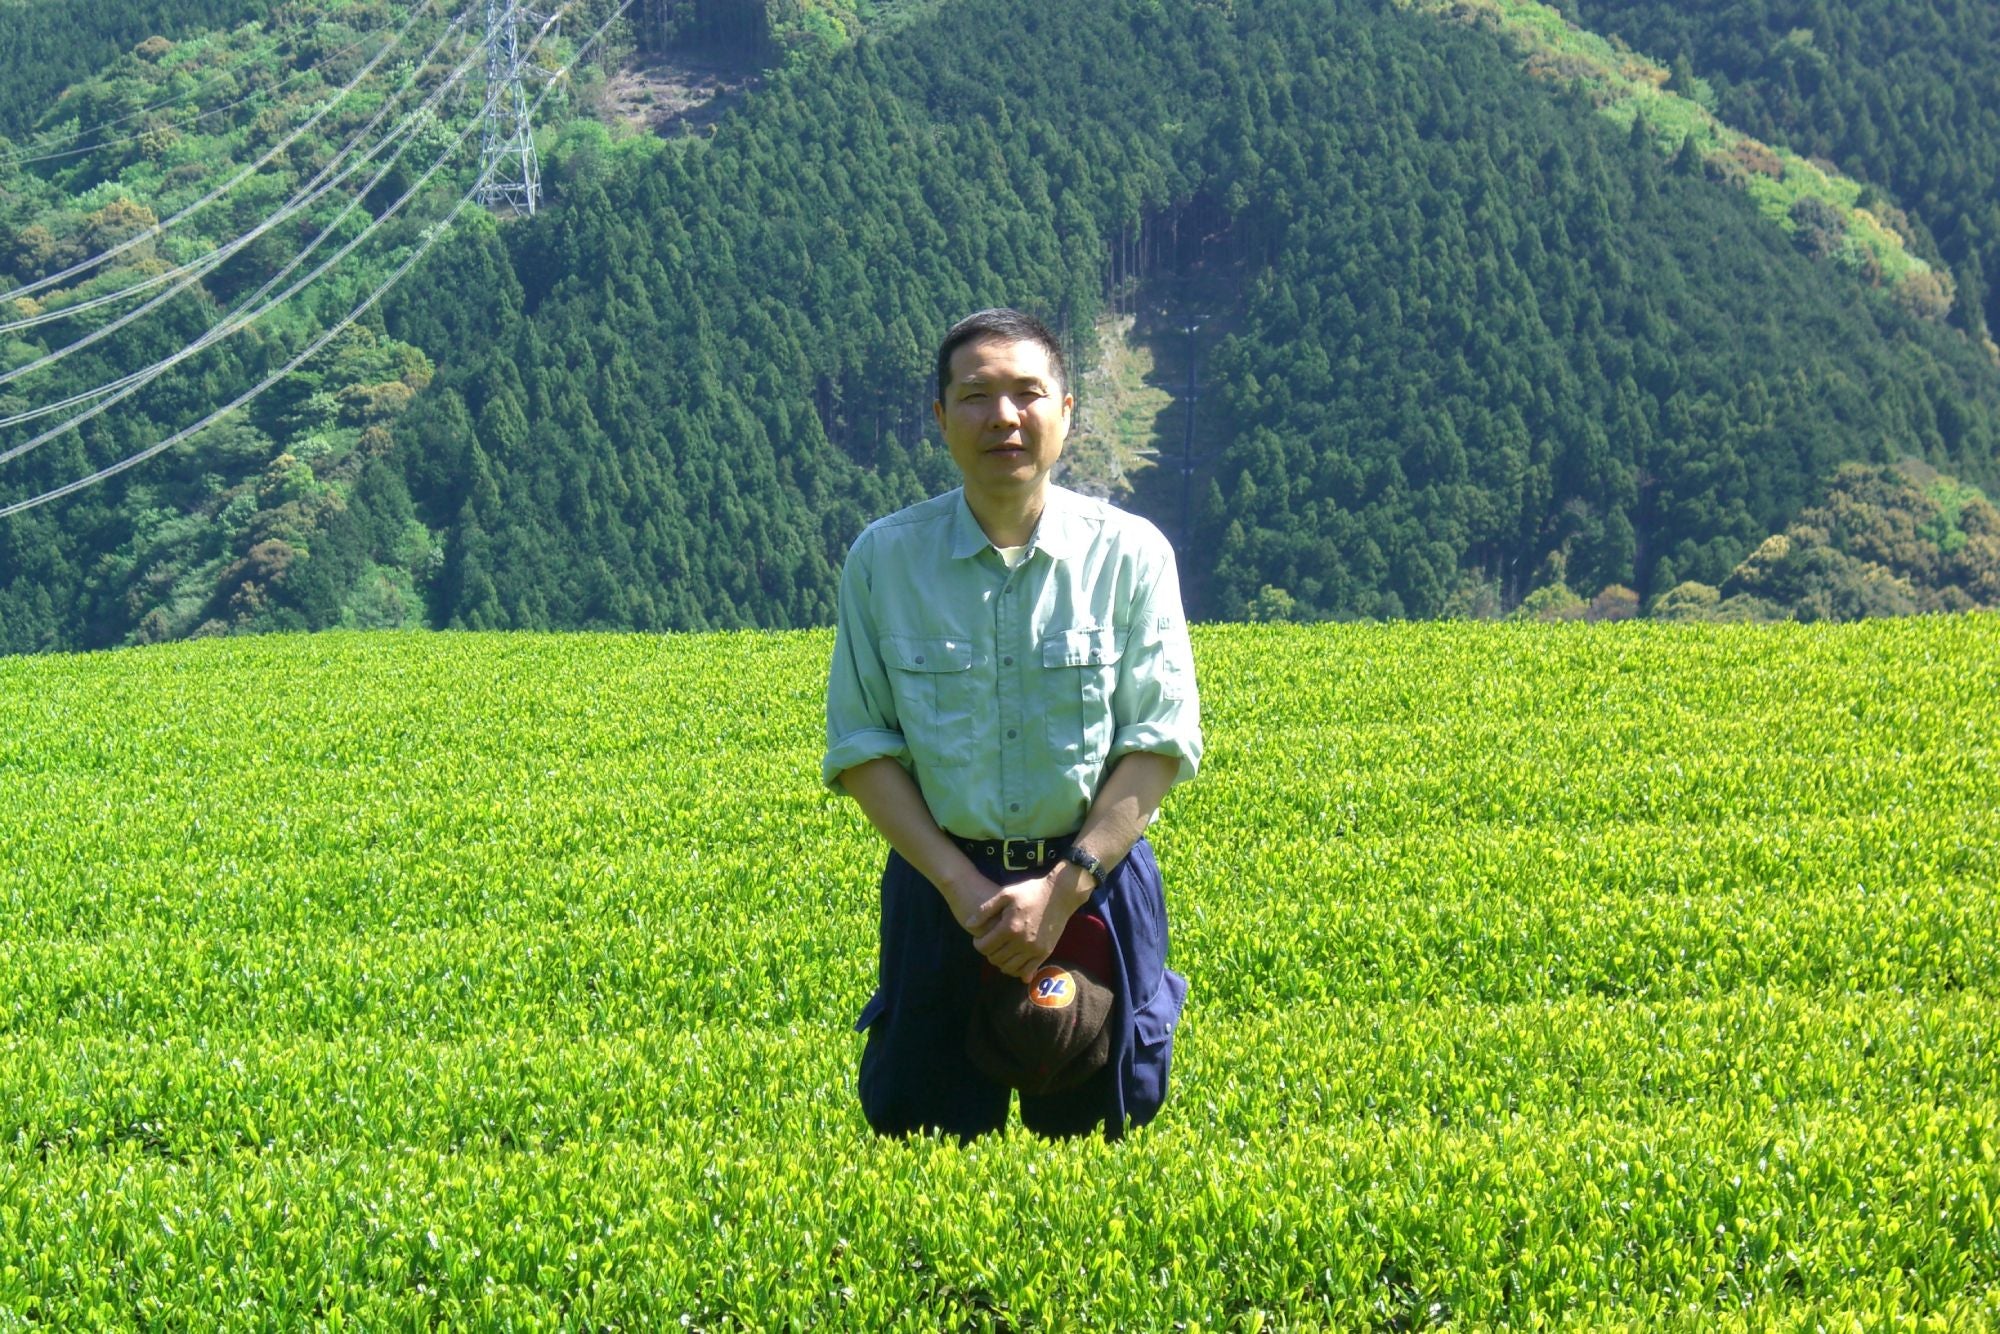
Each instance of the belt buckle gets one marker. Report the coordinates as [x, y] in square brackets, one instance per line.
[1007, 853]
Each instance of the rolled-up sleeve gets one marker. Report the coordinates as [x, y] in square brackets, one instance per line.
[861, 723]
[1156, 707]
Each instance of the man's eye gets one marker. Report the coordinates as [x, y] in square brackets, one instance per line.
[972, 396]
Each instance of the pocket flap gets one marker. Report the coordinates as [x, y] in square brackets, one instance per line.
[1153, 1023]
[1080, 648]
[915, 653]
[871, 1011]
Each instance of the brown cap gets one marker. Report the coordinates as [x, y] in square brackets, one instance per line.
[1053, 1032]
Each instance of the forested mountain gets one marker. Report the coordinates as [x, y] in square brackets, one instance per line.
[776, 31]
[171, 165]
[1488, 328]
[1481, 346]
[1489, 340]
[1886, 541]
[44, 48]
[1902, 93]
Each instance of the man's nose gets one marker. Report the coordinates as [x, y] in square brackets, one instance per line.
[1005, 409]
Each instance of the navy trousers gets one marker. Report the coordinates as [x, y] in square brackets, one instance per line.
[915, 1076]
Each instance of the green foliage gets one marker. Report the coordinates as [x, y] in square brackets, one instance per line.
[1552, 602]
[1901, 93]
[1590, 976]
[1689, 600]
[186, 544]
[1273, 604]
[787, 32]
[1886, 541]
[1475, 347]
[44, 48]
[1615, 602]
[1482, 328]
[1674, 109]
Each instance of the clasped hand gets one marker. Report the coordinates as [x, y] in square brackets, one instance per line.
[1017, 927]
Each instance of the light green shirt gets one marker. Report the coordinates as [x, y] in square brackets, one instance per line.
[1007, 694]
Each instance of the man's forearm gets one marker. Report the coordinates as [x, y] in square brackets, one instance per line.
[1125, 804]
[1027, 918]
[889, 797]
[1016, 925]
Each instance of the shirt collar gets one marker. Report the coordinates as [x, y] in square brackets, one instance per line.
[967, 537]
[1055, 534]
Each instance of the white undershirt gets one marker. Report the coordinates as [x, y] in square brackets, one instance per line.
[1013, 555]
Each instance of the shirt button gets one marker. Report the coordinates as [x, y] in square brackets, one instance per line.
[1007, 661]
[920, 660]
[1014, 806]
[1011, 734]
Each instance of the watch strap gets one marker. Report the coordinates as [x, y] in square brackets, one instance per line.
[1077, 856]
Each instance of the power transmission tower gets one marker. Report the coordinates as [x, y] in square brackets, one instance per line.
[507, 162]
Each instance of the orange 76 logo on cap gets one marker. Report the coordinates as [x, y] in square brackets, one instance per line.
[1052, 988]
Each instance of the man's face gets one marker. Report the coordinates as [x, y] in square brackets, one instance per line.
[1004, 415]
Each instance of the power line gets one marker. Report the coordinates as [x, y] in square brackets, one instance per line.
[409, 123]
[159, 228]
[429, 239]
[230, 322]
[21, 155]
[242, 317]
[304, 197]
[21, 158]
[222, 331]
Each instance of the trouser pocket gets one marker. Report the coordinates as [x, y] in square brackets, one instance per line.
[872, 1011]
[1153, 1027]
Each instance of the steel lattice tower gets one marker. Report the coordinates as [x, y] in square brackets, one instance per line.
[507, 162]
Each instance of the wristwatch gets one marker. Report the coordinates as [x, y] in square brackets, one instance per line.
[1082, 860]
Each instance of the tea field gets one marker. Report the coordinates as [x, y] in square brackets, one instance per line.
[1542, 977]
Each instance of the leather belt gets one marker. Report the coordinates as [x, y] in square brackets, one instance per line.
[1015, 854]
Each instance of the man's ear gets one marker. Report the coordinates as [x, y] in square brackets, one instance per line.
[937, 411]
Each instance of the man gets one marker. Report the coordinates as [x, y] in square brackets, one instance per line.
[1011, 695]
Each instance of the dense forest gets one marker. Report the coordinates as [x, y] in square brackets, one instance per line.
[1901, 93]
[772, 31]
[1466, 362]
[223, 133]
[1885, 541]
[44, 48]
[1490, 344]
[1476, 344]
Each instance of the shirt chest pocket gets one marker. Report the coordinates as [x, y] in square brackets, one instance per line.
[1079, 676]
[932, 680]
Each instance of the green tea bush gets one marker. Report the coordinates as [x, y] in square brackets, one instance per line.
[1631, 975]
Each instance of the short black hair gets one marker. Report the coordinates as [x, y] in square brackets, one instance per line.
[1005, 325]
